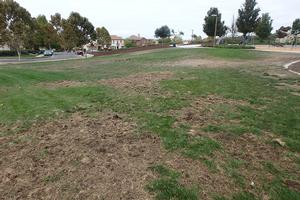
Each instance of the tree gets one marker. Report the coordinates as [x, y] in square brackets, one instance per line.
[163, 32]
[296, 27]
[45, 35]
[103, 37]
[77, 31]
[56, 22]
[248, 17]
[264, 27]
[15, 25]
[210, 20]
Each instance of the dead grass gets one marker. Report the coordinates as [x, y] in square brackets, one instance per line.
[61, 84]
[78, 158]
[143, 82]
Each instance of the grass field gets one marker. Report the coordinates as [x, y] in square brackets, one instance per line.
[166, 124]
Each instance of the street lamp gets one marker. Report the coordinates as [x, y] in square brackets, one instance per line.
[216, 26]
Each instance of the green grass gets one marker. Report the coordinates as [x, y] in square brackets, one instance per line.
[239, 196]
[260, 108]
[270, 109]
[167, 187]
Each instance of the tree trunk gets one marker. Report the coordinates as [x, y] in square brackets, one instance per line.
[19, 54]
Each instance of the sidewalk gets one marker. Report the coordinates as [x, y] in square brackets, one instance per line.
[285, 49]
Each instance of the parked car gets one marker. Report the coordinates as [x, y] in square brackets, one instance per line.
[48, 53]
[80, 53]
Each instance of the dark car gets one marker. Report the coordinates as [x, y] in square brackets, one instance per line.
[80, 53]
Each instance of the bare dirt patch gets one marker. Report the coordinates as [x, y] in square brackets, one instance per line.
[277, 49]
[138, 82]
[205, 63]
[200, 112]
[61, 84]
[294, 87]
[78, 158]
[195, 173]
[255, 151]
[99, 158]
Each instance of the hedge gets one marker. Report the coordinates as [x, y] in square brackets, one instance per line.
[235, 47]
[14, 53]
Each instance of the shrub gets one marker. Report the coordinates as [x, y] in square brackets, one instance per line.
[235, 47]
[14, 53]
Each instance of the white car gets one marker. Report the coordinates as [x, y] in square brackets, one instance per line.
[48, 53]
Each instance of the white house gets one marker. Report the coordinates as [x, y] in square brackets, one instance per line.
[4, 48]
[117, 42]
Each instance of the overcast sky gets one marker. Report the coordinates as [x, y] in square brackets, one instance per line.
[127, 17]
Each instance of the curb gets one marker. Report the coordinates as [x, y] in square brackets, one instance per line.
[286, 66]
[43, 61]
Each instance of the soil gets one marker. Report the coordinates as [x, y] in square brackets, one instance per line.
[105, 157]
[142, 83]
[61, 84]
[205, 63]
[199, 114]
[253, 150]
[277, 49]
[100, 158]
[78, 158]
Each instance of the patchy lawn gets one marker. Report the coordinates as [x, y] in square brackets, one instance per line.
[168, 124]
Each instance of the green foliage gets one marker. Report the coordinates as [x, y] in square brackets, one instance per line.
[264, 27]
[77, 31]
[296, 27]
[235, 47]
[248, 17]
[167, 187]
[210, 23]
[15, 24]
[44, 35]
[163, 32]
[103, 37]
[8, 53]
[129, 43]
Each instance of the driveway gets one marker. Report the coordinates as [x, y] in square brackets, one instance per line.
[56, 57]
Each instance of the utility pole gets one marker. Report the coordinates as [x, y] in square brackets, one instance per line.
[216, 26]
[192, 34]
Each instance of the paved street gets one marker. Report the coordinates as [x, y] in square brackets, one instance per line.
[56, 57]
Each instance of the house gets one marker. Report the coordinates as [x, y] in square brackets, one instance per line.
[92, 46]
[139, 41]
[4, 48]
[117, 42]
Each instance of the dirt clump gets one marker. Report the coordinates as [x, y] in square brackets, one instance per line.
[200, 113]
[61, 84]
[79, 158]
[138, 82]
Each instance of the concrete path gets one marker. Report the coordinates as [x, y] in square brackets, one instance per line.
[293, 67]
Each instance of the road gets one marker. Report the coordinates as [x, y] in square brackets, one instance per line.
[56, 57]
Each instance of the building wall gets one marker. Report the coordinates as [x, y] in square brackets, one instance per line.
[4, 48]
[117, 44]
